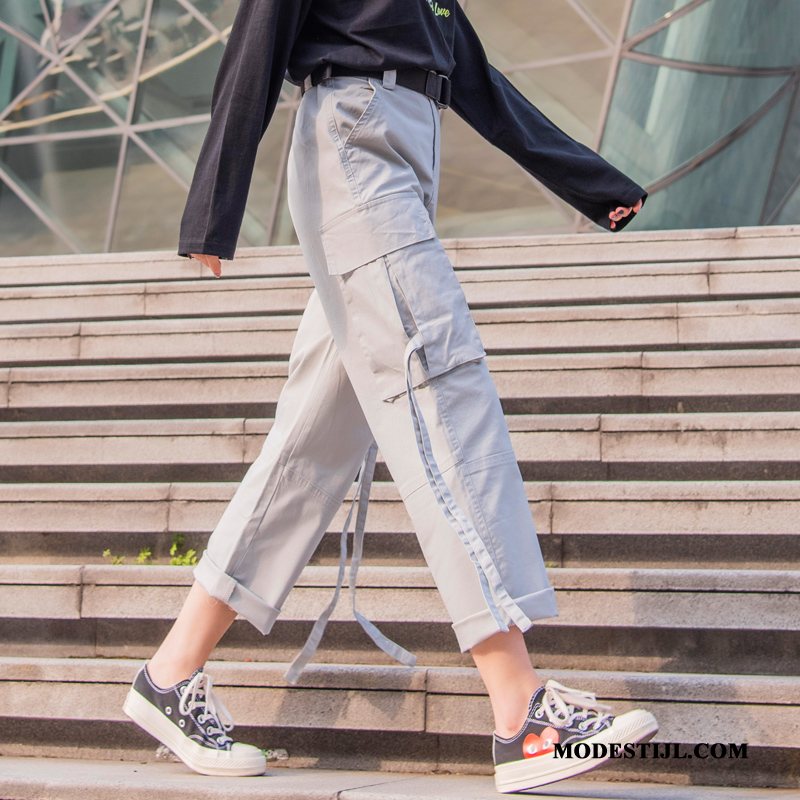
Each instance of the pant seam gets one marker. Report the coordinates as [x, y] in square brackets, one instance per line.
[439, 393]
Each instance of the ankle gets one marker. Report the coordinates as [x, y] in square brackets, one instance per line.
[165, 674]
[510, 726]
[511, 717]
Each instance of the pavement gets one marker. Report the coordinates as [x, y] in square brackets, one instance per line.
[27, 778]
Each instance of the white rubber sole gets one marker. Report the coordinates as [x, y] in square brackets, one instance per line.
[528, 773]
[241, 759]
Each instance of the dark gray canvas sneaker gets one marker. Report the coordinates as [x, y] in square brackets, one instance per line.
[560, 715]
[186, 718]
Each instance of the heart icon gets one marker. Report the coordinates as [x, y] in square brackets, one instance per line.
[539, 745]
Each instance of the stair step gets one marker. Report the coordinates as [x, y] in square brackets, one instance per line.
[520, 286]
[145, 265]
[444, 701]
[547, 446]
[602, 597]
[609, 619]
[643, 247]
[630, 247]
[601, 523]
[634, 326]
[651, 650]
[636, 381]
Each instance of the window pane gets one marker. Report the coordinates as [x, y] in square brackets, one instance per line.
[739, 33]
[28, 19]
[71, 180]
[179, 146]
[150, 205]
[607, 12]
[570, 94]
[790, 213]
[180, 62]
[484, 193]
[647, 12]
[70, 18]
[514, 33]
[728, 189]
[219, 13]
[21, 231]
[787, 169]
[106, 57]
[54, 103]
[653, 124]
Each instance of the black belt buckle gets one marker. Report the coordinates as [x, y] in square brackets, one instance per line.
[317, 75]
[438, 88]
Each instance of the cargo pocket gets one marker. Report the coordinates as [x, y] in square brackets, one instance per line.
[397, 283]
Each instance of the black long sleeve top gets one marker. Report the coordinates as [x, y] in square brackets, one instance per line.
[273, 40]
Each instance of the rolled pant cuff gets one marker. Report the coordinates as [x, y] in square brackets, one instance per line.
[474, 629]
[223, 587]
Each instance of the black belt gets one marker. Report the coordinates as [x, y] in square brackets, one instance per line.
[430, 83]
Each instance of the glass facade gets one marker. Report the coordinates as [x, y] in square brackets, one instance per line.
[104, 104]
[706, 111]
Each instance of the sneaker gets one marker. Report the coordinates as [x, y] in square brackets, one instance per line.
[186, 718]
[557, 713]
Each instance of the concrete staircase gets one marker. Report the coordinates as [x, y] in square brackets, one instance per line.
[652, 386]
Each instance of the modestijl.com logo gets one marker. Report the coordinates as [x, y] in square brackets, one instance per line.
[714, 750]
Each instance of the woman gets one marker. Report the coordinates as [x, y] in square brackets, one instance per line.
[386, 355]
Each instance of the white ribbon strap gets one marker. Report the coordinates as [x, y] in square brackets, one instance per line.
[361, 495]
[491, 583]
[315, 637]
[381, 640]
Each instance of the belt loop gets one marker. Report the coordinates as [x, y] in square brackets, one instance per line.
[328, 71]
[389, 78]
[307, 84]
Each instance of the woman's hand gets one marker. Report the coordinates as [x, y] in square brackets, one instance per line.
[212, 262]
[620, 212]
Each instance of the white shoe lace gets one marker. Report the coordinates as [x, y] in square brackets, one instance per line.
[207, 702]
[561, 705]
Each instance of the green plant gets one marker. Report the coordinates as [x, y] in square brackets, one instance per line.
[114, 559]
[187, 559]
[177, 558]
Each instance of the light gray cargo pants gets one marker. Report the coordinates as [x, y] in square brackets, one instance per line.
[386, 356]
